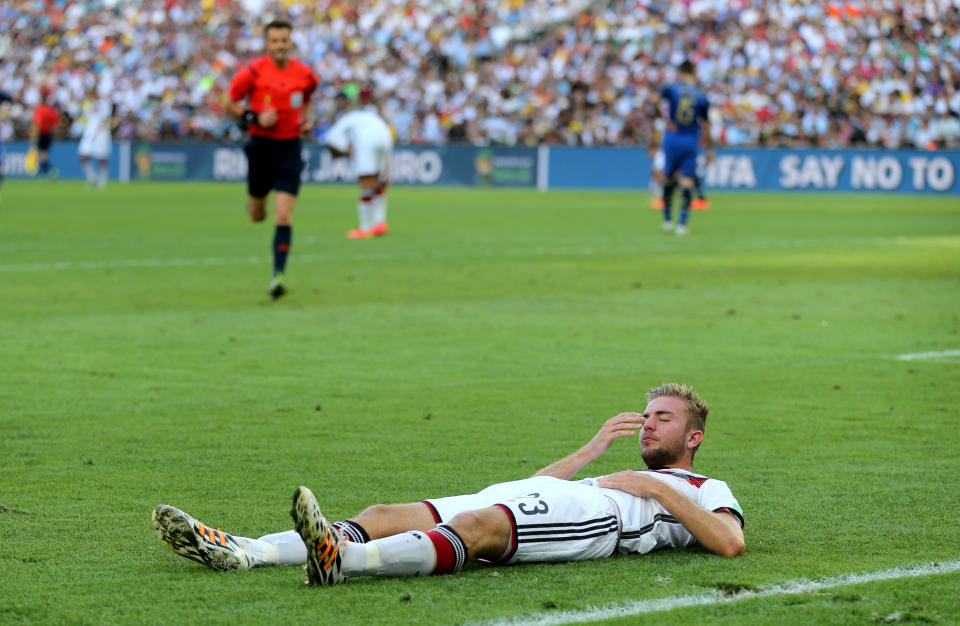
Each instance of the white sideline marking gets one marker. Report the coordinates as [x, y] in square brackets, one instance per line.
[524, 250]
[928, 356]
[641, 607]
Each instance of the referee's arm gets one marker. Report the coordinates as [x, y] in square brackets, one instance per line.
[240, 88]
[235, 109]
[306, 121]
[265, 119]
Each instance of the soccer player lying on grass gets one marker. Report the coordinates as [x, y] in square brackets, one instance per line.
[544, 518]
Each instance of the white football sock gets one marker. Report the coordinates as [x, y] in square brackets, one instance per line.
[407, 554]
[90, 173]
[379, 209]
[365, 214]
[284, 548]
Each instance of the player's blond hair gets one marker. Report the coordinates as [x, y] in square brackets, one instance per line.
[697, 409]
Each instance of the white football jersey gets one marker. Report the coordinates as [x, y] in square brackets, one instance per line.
[97, 120]
[356, 129]
[648, 526]
[95, 141]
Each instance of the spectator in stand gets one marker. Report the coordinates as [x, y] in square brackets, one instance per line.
[512, 71]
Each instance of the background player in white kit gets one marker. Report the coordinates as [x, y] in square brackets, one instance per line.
[96, 142]
[657, 164]
[364, 136]
[545, 518]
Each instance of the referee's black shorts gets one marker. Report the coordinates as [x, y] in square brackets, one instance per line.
[44, 140]
[273, 164]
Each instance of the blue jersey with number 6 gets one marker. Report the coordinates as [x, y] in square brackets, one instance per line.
[688, 109]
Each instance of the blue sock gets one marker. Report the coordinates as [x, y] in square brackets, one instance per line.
[44, 168]
[685, 207]
[668, 190]
[281, 247]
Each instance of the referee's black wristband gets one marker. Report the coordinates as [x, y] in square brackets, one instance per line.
[249, 117]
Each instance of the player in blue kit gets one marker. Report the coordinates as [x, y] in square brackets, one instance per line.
[688, 118]
[4, 97]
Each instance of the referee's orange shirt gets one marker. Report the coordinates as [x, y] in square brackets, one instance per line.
[287, 90]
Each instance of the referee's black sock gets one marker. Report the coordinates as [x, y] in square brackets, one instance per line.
[281, 247]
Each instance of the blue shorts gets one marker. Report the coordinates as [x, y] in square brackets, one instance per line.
[680, 152]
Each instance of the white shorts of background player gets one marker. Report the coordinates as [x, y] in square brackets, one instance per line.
[95, 145]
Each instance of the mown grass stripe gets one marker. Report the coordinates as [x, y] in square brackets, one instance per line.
[421, 255]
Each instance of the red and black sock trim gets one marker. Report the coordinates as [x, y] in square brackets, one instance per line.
[451, 550]
[433, 511]
[352, 531]
[282, 237]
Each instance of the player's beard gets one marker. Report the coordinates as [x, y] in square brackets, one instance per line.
[661, 455]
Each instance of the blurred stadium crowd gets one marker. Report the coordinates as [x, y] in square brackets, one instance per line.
[828, 73]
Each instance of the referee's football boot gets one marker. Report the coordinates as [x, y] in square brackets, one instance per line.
[324, 542]
[277, 288]
[198, 542]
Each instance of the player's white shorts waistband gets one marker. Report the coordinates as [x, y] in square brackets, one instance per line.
[552, 519]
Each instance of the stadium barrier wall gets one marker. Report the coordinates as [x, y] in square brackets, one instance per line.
[901, 171]
[545, 167]
[63, 155]
[411, 165]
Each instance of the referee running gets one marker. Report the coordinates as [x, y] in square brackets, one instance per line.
[272, 96]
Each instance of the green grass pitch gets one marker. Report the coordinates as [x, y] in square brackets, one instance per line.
[489, 334]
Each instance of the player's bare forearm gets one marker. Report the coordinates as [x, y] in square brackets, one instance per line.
[718, 532]
[654, 111]
[707, 137]
[623, 425]
[567, 468]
